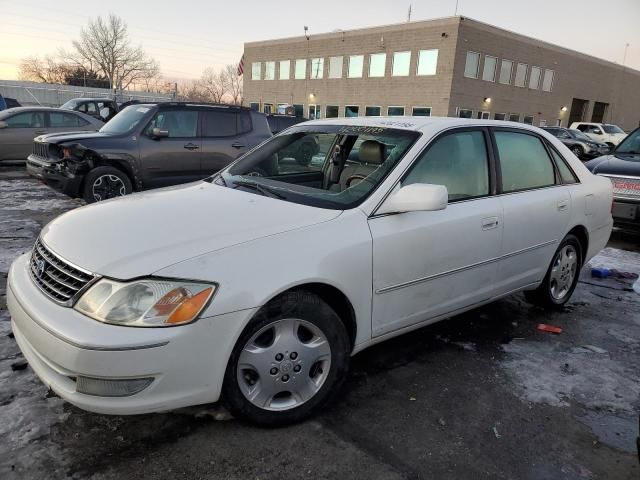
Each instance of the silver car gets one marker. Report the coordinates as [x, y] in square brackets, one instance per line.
[582, 146]
[20, 125]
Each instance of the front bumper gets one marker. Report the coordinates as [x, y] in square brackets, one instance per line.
[60, 344]
[57, 178]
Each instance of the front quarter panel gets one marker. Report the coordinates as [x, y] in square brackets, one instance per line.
[337, 253]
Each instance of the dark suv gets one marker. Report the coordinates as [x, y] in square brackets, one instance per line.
[146, 146]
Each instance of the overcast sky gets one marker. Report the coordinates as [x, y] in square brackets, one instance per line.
[188, 36]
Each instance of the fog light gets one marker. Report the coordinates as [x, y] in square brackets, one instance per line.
[105, 387]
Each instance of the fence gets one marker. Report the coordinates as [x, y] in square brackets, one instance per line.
[54, 95]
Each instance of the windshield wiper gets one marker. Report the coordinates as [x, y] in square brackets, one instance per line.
[267, 192]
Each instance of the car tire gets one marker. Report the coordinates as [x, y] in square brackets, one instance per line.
[289, 362]
[106, 182]
[561, 278]
[577, 151]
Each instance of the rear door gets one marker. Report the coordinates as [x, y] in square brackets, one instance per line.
[536, 207]
[67, 122]
[224, 138]
[16, 139]
[174, 159]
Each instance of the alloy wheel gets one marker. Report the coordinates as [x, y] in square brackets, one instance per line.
[563, 272]
[108, 186]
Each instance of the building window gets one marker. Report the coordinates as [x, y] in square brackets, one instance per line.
[534, 78]
[421, 111]
[269, 70]
[465, 113]
[427, 62]
[514, 117]
[335, 67]
[255, 106]
[356, 63]
[499, 116]
[317, 68]
[267, 108]
[301, 69]
[395, 111]
[521, 75]
[377, 64]
[372, 111]
[483, 115]
[547, 81]
[282, 108]
[298, 109]
[256, 70]
[471, 65]
[351, 111]
[401, 64]
[489, 70]
[506, 69]
[285, 67]
[528, 119]
[332, 111]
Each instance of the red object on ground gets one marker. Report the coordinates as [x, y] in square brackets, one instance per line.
[549, 328]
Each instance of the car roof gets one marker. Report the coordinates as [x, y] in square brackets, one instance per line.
[419, 123]
[31, 109]
[92, 99]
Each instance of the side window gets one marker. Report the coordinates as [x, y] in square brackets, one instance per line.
[244, 122]
[524, 162]
[26, 120]
[566, 173]
[61, 120]
[219, 123]
[458, 161]
[583, 128]
[179, 123]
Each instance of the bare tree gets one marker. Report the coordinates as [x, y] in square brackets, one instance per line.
[214, 85]
[47, 70]
[234, 84]
[192, 91]
[105, 44]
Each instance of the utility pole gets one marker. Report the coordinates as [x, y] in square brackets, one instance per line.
[455, 14]
[409, 15]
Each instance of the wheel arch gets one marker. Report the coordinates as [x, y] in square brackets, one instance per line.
[582, 234]
[122, 163]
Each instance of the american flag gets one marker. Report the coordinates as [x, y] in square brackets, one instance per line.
[241, 66]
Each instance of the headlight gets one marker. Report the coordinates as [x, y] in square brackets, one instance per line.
[145, 303]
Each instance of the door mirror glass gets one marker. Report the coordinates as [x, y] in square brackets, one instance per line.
[417, 197]
[597, 131]
[158, 133]
[3, 124]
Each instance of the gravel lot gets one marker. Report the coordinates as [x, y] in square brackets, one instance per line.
[482, 395]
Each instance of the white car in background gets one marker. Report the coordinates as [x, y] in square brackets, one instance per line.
[256, 285]
[607, 133]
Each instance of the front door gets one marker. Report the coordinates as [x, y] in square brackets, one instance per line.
[16, 139]
[536, 208]
[428, 264]
[174, 159]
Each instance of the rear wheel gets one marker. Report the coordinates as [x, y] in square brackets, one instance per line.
[289, 361]
[561, 278]
[105, 182]
[577, 151]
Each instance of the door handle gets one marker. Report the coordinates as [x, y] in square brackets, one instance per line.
[489, 222]
[563, 205]
[237, 145]
[191, 146]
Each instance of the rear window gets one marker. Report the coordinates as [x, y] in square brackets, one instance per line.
[219, 123]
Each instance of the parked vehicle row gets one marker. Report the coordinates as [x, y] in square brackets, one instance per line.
[607, 133]
[256, 285]
[582, 146]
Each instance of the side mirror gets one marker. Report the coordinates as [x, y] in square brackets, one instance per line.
[3, 124]
[159, 133]
[417, 197]
[597, 131]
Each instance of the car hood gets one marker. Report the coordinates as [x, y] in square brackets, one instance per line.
[141, 233]
[62, 137]
[615, 165]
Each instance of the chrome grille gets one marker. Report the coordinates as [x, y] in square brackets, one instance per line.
[56, 278]
[625, 186]
[41, 149]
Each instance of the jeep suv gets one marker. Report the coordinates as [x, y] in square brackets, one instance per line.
[146, 146]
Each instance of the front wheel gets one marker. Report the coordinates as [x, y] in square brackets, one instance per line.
[288, 363]
[577, 151]
[105, 182]
[561, 278]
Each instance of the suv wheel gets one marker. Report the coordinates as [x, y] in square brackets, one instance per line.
[289, 361]
[103, 183]
[577, 151]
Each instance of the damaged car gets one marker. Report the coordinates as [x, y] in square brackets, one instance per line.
[146, 146]
[256, 285]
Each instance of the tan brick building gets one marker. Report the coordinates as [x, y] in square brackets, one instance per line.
[446, 67]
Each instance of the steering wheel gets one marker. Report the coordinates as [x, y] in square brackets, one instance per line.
[357, 177]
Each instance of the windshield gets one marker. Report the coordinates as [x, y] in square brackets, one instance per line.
[631, 144]
[577, 134]
[612, 128]
[126, 120]
[327, 166]
[70, 105]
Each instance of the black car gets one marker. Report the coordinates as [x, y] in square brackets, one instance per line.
[146, 146]
[101, 108]
[622, 166]
[581, 145]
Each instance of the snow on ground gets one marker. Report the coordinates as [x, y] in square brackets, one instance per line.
[22, 195]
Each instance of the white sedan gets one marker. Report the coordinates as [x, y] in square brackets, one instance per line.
[255, 286]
